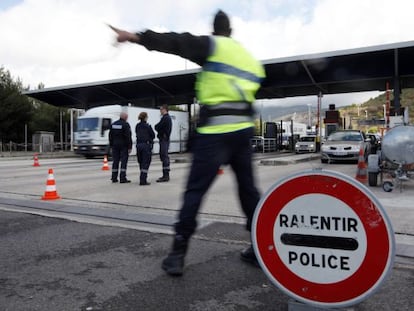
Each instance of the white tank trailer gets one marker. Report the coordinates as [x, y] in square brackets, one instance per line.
[396, 158]
[398, 145]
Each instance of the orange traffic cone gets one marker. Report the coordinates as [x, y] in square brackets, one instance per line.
[361, 174]
[105, 166]
[36, 160]
[50, 193]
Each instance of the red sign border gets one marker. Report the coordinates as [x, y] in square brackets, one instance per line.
[380, 238]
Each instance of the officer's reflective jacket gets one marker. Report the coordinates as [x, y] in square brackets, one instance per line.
[226, 87]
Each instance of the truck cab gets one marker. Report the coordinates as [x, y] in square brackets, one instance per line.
[91, 135]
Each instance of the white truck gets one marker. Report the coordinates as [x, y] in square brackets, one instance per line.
[299, 129]
[92, 130]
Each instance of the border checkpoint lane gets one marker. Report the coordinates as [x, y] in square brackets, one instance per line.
[75, 266]
[53, 263]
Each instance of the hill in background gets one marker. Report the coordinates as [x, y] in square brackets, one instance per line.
[374, 109]
[374, 106]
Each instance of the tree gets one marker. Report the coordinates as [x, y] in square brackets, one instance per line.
[47, 118]
[16, 109]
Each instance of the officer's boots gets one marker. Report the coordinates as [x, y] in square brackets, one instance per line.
[249, 256]
[174, 263]
[165, 177]
[143, 179]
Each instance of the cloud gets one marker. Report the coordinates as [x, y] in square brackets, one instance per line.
[60, 42]
[329, 26]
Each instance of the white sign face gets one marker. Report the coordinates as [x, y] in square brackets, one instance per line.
[324, 242]
[323, 238]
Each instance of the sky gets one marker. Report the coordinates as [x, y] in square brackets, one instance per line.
[63, 42]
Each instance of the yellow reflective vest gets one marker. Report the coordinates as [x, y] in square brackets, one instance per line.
[226, 87]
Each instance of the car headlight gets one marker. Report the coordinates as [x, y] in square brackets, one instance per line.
[296, 145]
[311, 145]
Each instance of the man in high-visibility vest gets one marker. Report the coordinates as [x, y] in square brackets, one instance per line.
[225, 89]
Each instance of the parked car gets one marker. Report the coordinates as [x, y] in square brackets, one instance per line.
[345, 146]
[306, 144]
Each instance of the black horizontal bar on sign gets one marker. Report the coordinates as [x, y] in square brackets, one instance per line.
[320, 241]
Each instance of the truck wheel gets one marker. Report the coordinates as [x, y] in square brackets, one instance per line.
[372, 179]
[388, 186]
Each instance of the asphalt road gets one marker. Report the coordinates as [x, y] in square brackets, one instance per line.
[54, 264]
[100, 247]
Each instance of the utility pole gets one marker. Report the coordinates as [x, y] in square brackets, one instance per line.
[318, 129]
[61, 128]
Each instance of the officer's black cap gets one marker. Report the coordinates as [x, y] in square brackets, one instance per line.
[221, 24]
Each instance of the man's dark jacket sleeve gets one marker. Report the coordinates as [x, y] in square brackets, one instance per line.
[186, 45]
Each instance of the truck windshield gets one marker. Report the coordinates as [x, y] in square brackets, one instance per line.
[87, 124]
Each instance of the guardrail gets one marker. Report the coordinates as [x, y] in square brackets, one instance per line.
[12, 147]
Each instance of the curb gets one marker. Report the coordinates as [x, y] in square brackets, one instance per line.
[290, 160]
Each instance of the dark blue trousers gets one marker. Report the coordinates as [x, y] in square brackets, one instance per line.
[210, 151]
[119, 154]
[165, 159]
[144, 154]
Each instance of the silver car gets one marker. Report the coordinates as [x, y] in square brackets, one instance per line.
[306, 144]
[344, 145]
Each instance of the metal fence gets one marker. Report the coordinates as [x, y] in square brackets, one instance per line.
[261, 144]
[13, 147]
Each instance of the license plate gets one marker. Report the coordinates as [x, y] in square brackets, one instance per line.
[339, 153]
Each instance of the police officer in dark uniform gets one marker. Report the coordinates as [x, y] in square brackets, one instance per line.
[120, 141]
[145, 141]
[163, 129]
[226, 88]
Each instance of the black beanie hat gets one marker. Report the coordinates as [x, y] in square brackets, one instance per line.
[221, 24]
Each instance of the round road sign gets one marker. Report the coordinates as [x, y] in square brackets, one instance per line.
[323, 238]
